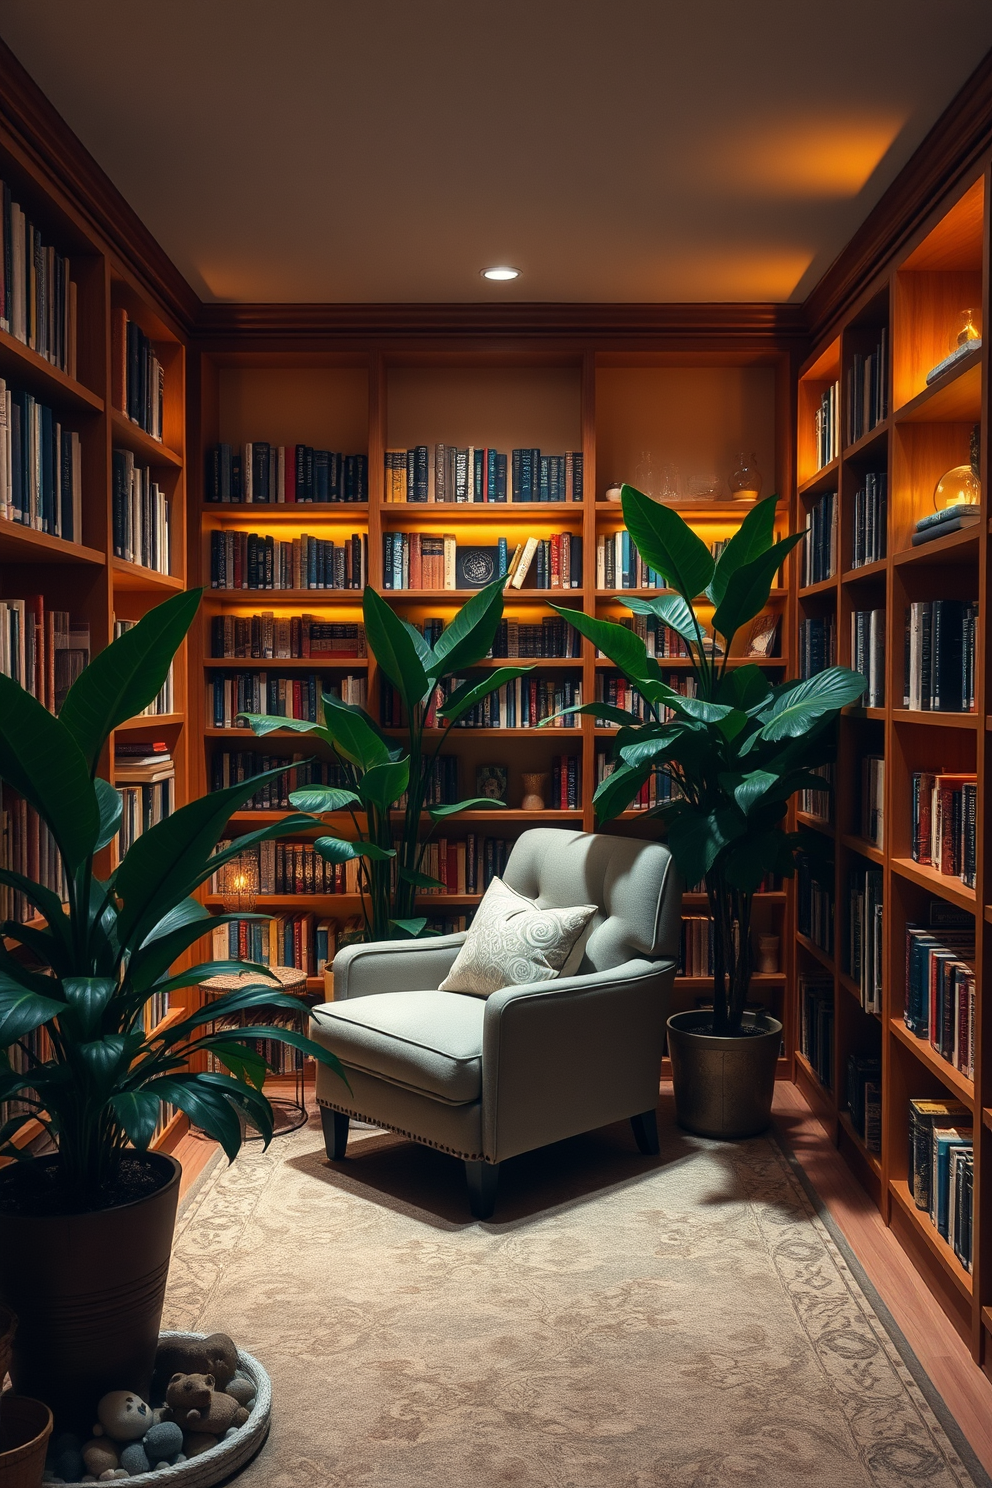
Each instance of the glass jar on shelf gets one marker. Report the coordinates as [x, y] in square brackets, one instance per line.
[745, 483]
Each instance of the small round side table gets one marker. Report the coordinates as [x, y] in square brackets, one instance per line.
[291, 980]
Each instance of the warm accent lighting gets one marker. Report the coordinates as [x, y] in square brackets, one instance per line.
[239, 884]
[501, 273]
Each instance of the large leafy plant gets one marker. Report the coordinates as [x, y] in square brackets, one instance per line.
[93, 963]
[739, 749]
[380, 774]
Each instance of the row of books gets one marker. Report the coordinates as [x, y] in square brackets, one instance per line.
[146, 783]
[271, 637]
[868, 535]
[519, 704]
[293, 868]
[817, 645]
[137, 377]
[44, 650]
[956, 518]
[826, 426]
[819, 802]
[658, 787]
[517, 640]
[873, 799]
[37, 292]
[868, 389]
[282, 1059]
[945, 823]
[230, 767]
[140, 511]
[660, 640]
[300, 940]
[447, 473]
[619, 693]
[422, 560]
[814, 906]
[941, 1169]
[27, 847]
[165, 700]
[263, 474]
[816, 1026]
[818, 556]
[230, 694]
[939, 994]
[863, 1098]
[868, 654]
[864, 937]
[620, 566]
[41, 482]
[244, 560]
[939, 671]
[696, 951]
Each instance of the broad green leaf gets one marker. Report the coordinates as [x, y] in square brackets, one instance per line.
[394, 650]
[323, 799]
[195, 975]
[260, 995]
[107, 1059]
[123, 679]
[271, 723]
[697, 839]
[748, 686]
[667, 543]
[412, 927]
[422, 646]
[671, 610]
[471, 803]
[749, 791]
[41, 760]
[420, 880]
[87, 997]
[46, 902]
[354, 738]
[474, 691]
[794, 710]
[244, 1063]
[595, 710]
[471, 633]
[284, 827]
[22, 1011]
[749, 587]
[334, 850]
[384, 784]
[615, 793]
[280, 1035]
[754, 536]
[696, 707]
[111, 809]
[644, 751]
[624, 648]
[137, 1111]
[206, 1106]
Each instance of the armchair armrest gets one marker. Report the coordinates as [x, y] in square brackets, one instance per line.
[394, 965]
[567, 1056]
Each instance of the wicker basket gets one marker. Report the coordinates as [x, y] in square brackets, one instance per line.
[8, 1327]
[25, 1426]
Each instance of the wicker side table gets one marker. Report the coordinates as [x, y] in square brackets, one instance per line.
[291, 980]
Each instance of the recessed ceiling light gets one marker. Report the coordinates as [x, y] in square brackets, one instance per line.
[501, 272]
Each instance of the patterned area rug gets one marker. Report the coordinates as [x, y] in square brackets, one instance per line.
[624, 1322]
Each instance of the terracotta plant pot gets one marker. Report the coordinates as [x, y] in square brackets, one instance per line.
[88, 1291]
[25, 1426]
[723, 1086]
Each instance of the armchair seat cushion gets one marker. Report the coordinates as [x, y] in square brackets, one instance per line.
[425, 1041]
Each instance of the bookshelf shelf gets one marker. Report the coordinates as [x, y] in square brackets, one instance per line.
[922, 718]
[311, 598]
[151, 451]
[962, 1088]
[931, 1237]
[953, 398]
[951, 889]
[814, 950]
[869, 443]
[133, 576]
[862, 846]
[851, 986]
[817, 823]
[956, 548]
[706, 511]
[823, 479]
[27, 369]
[287, 663]
[152, 721]
[293, 511]
[19, 544]
[705, 984]
[853, 1135]
[866, 571]
[825, 586]
[173, 1016]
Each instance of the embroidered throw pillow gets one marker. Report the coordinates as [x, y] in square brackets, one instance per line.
[511, 941]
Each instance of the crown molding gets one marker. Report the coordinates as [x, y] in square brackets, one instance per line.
[952, 147]
[41, 132]
[718, 325]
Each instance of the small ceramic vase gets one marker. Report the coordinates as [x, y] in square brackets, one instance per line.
[768, 953]
[534, 788]
[613, 491]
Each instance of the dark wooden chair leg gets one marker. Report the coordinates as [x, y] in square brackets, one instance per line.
[645, 1129]
[335, 1125]
[483, 1180]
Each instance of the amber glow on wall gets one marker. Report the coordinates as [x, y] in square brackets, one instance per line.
[831, 158]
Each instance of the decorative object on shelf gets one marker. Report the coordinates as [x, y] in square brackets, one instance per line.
[477, 567]
[768, 954]
[239, 884]
[535, 787]
[703, 488]
[735, 753]
[762, 636]
[381, 778]
[100, 1081]
[644, 472]
[958, 486]
[745, 482]
[613, 491]
[670, 483]
[966, 338]
[491, 782]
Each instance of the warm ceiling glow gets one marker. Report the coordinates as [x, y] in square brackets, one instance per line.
[831, 158]
[501, 272]
[745, 273]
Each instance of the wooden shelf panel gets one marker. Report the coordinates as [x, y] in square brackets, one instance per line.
[150, 451]
[959, 547]
[289, 663]
[822, 480]
[824, 959]
[876, 570]
[931, 1237]
[824, 586]
[303, 511]
[173, 1016]
[951, 889]
[863, 846]
[451, 513]
[472, 818]
[19, 544]
[24, 368]
[866, 445]
[133, 576]
[932, 720]
[152, 721]
[712, 510]
[961, 1087]
[953, 398]
[871, 1158]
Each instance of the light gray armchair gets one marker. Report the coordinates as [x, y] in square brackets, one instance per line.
[487, 1078]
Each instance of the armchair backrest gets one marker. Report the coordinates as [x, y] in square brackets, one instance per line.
[634, 884]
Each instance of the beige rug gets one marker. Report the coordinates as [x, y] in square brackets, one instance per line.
[625, 1322]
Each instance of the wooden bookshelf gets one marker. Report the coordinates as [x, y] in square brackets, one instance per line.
[83, 576]
[941, 269]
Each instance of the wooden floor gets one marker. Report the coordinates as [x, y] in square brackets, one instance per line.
[966, 1391]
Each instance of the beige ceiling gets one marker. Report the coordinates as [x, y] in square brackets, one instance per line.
[610, 149]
